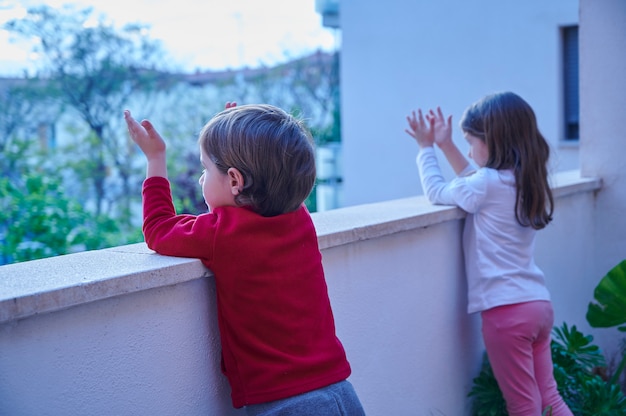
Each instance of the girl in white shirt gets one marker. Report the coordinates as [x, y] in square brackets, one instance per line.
[507, 199]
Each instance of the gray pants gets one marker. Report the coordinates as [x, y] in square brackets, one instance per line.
[338, 399]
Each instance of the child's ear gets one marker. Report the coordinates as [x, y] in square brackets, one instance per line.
[235, 179]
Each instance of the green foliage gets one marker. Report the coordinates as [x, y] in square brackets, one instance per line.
[573, 351]
[600, 398]
[37, 220]
[609, 308]
[330, 133]
[577, 367]
[311, 200]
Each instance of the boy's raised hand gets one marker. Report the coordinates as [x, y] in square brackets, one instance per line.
[146, 137]
[151, 144]
[420, 128]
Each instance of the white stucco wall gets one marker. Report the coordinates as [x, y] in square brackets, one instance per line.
[148, 353]
[603, 111]
[400, 54]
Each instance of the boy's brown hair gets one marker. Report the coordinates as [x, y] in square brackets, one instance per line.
[271, 149]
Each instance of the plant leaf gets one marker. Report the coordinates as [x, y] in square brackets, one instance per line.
[609, 310]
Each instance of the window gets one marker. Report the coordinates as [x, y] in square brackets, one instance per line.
[570, 83]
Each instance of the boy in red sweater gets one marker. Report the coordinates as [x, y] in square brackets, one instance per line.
[279, 349]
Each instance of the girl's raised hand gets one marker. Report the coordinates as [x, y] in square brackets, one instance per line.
[420, 128]
[442, 127]
[146, 137]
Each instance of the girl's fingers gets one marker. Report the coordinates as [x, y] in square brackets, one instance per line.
[412, 120]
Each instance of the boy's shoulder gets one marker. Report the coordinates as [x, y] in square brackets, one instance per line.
[246, 215]
[244, 227]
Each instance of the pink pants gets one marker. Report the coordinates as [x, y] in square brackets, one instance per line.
[517, 338]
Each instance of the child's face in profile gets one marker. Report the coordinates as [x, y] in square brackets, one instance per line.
[216, 186]
[478, 150]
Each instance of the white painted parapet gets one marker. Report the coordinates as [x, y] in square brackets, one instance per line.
[124, 331]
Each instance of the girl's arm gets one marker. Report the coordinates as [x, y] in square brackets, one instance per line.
[443, 137]
[455, 158]
[151, 144]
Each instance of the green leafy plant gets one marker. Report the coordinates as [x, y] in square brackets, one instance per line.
[578, 369]
[574, 358]
[609, 308]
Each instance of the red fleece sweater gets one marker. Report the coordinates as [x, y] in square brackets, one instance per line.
[276, 324]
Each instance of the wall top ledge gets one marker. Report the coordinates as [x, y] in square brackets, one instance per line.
[56, 283]
[362, 222]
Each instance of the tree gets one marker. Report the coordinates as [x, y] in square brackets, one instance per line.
[316, 82]
[25, 106]
[307, 86]
[96, 69]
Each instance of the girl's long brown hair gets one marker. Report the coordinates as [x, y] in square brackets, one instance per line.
[508, 126]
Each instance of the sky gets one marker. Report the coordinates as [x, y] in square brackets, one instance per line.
[197, 34]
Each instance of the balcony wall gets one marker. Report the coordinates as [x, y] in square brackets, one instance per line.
[127, 331]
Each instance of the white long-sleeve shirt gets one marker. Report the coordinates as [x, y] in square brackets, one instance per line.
[499, 260]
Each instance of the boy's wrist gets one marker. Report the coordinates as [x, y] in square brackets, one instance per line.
[157, 166]
[157, 157]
